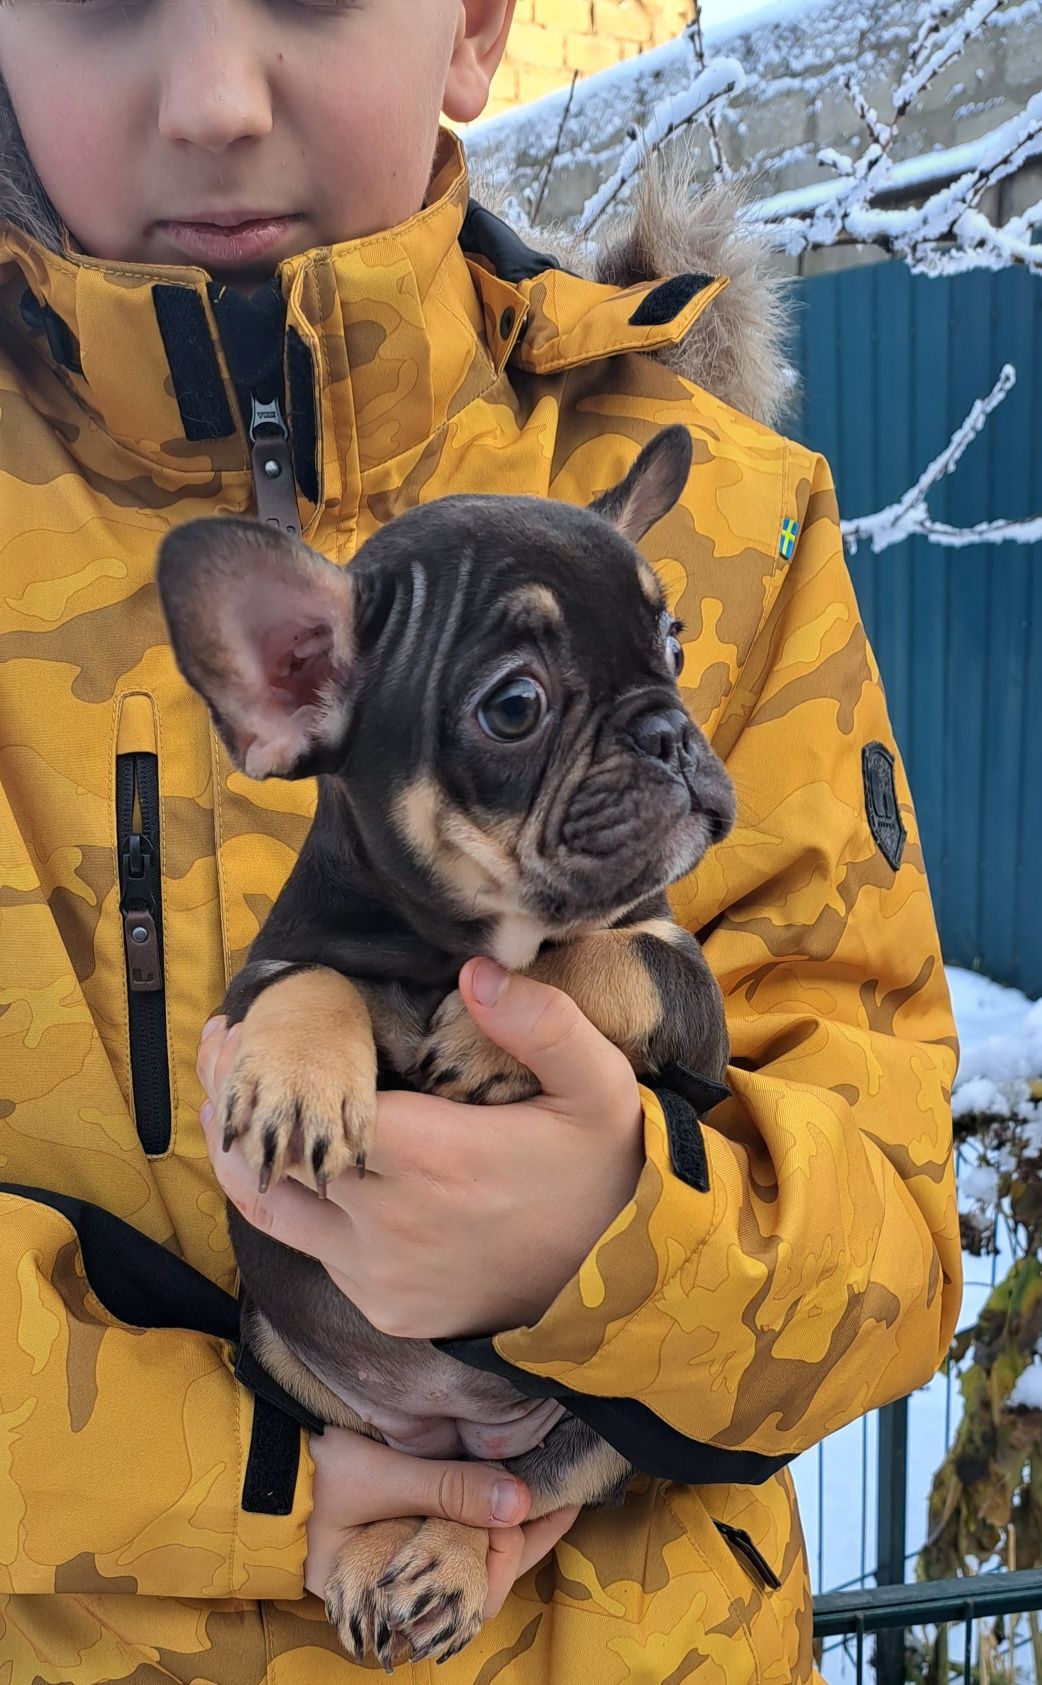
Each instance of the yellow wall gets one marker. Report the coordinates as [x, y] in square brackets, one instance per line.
[551, 39]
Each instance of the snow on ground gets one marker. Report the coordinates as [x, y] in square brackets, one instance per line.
[1000, 1033]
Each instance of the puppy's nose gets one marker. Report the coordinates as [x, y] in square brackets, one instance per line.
[663, 734]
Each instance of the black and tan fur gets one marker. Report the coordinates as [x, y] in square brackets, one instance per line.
[435, 840]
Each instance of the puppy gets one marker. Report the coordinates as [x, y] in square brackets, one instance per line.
[489, 699]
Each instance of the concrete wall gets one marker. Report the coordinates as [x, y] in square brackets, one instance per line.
[793, 104]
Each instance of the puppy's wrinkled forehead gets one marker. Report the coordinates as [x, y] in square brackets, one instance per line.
[485, 572]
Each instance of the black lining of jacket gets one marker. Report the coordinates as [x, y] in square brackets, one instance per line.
[194, 370]
[495, 240]
[640, 1436]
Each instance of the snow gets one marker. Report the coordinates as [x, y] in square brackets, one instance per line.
[920, 233]
[723, 19]
[1000, 1034]
[1027, 1394]
[981, 1184]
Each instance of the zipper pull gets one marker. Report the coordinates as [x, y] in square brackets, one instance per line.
[137, 903]
[740, 1541]
[273, 483]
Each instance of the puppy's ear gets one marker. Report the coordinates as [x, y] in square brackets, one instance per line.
[263, 629]
[651, 487]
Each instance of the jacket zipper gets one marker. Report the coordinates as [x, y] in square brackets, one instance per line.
[140, 902]
[743, 1546]
[274, 486]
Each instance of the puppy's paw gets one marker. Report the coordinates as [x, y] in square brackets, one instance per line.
[302, 1090]
[408, 1588]
[457, 1061]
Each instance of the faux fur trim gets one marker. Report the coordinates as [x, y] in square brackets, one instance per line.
[737, 347]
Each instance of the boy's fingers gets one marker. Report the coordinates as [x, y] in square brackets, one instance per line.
[216, 1049]
[503, 1565]
[509, 1556]
[289, 1211]
[380, 1483]
[545, 1030]
[471, 1493]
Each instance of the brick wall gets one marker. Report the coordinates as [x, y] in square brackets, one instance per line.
[551, 39]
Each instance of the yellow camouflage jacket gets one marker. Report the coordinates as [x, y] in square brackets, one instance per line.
[798, 1268]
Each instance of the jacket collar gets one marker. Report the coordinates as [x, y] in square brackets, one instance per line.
[386, 337]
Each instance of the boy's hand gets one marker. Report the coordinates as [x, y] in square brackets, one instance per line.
[358, 1480]
[470, 1219]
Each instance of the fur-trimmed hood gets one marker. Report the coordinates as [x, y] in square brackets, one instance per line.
[735, 350]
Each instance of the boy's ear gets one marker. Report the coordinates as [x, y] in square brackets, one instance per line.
[651, 487]
[482, 28]
[263, 629]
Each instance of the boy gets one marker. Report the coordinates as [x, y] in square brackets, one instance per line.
[227, 247]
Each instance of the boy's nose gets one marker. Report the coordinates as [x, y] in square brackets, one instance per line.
[215, 90]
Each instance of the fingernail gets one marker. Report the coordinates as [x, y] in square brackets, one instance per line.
[506, 1500]
[206, 1114]
[489, 981]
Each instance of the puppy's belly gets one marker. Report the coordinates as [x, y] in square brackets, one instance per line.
[434, 1423]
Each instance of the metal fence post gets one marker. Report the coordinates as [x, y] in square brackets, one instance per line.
[891, 1500]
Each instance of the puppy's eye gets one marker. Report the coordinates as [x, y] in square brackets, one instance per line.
[675, 649]
[513, 710]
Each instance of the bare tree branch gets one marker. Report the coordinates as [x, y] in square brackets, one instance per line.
[721, 78]
[910, 517]
[556, 152]
[721, 168]
[944, 235]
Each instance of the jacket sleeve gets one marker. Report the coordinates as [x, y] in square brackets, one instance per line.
[819, 1274]
[131, 1458]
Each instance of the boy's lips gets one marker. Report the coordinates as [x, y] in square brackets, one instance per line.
[228, 239]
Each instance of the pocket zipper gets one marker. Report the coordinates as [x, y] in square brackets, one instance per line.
[141, 904]
[743, 1546]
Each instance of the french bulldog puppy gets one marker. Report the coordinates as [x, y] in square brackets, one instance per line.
[488, 696]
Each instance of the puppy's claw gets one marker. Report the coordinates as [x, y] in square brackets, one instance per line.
[264, 1179]
[228, 1140]
[360, 1166]
[357, 1639]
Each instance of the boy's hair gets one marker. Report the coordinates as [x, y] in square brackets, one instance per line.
[23, 201]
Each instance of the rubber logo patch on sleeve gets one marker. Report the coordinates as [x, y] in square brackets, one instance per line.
[787, 541]
[884, 818]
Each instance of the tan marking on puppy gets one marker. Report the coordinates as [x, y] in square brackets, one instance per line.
[586, 1482]
[435, 1583]
[416, 813]
[302, 1090]
[475, 865]
[457, 1061]
[610, 984]
[284, 1366]
[537, 602]
[650, 583]
[663, 930]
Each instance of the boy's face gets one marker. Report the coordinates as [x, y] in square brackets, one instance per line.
[234, 133]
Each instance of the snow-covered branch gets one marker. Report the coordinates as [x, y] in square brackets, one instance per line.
[721, 78]
[948, 232]
[910, 517]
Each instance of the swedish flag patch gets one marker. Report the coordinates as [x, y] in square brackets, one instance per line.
[787, 541]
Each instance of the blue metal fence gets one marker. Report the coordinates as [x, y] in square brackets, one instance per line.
[891, 364]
